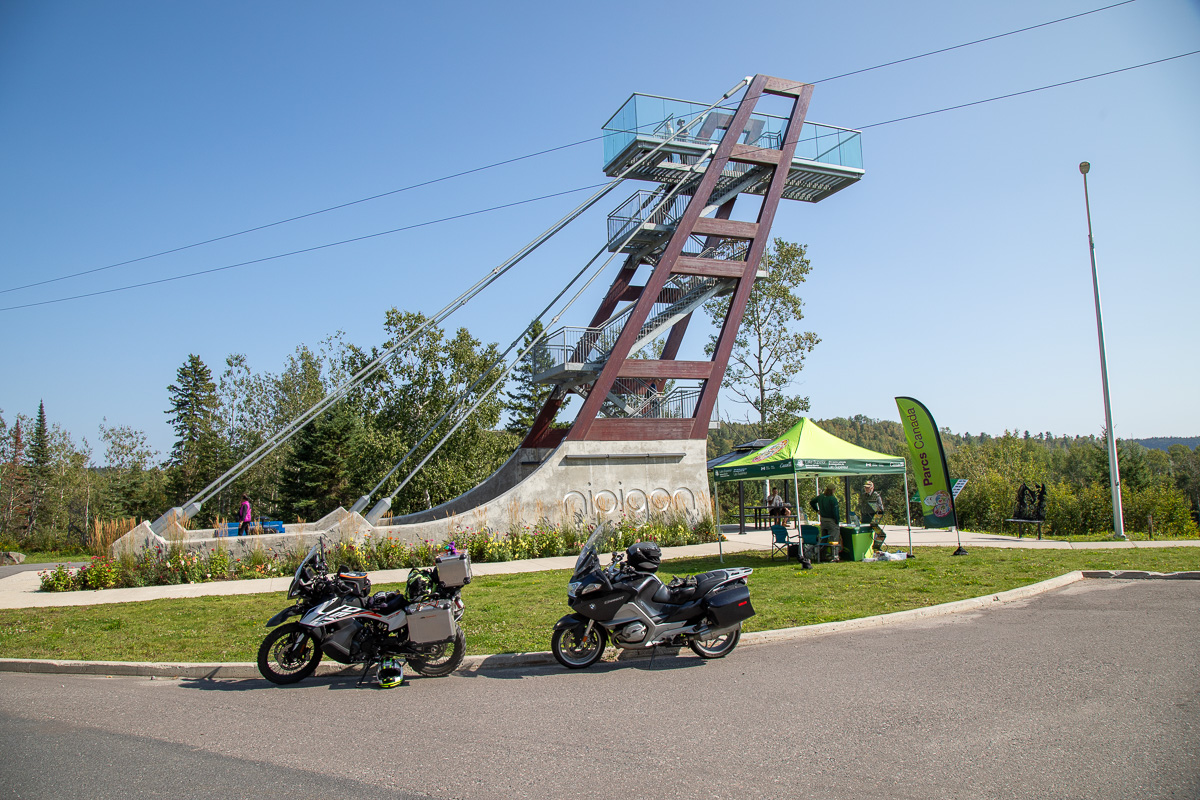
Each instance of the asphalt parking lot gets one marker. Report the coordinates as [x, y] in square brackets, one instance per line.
[1088, 691]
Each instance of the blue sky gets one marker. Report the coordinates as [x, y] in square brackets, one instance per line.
[956, 271]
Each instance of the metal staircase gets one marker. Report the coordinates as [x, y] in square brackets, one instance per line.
[625, 363]
[570, 356]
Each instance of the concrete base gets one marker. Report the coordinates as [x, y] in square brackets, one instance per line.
[576, 483]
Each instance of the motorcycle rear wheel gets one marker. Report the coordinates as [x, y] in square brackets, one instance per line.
[574, 651]
[289, 654]
[718, 646]
[441, 659]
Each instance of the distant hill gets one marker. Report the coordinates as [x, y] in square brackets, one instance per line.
[1164, 442]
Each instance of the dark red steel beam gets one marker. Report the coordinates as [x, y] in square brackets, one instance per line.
[747, 154]
[725, 228]
[660, 368]
[639, 430]
[737, 304]
[685, 227]
[712, 267]
[620, 285]
[541, 434]
[785, 87]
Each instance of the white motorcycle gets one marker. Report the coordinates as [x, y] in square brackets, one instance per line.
[340, 618]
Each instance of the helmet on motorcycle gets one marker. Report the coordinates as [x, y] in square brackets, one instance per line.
[419, 585]
[644, 556]
[391, 673]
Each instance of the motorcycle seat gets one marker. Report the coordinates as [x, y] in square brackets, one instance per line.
[705, 581]
[677, 592]
[388, 604]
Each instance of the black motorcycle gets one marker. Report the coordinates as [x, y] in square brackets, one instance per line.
[340, 618]
[627, 602]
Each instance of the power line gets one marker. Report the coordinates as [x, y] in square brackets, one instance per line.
[976, 41]
[301, 251]
[509, 161]
[429, 182]
[568, 191]
[1027, 91]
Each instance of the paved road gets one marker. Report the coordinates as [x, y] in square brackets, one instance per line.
[1092, 691]
[17, 569]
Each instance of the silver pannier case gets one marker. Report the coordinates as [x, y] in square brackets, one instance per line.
[454, 570]
[430, 622]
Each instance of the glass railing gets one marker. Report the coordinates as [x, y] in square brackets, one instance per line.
[655, 119]
[644, 207]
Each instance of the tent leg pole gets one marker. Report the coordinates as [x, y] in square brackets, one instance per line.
[717, 512]
[796, 480]
[846, 494]
[717, 505]
[908, 511]
[741, 508]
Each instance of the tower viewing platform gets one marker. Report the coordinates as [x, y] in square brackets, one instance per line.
[826, 160]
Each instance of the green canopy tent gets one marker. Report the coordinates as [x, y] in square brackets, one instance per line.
[806, 449]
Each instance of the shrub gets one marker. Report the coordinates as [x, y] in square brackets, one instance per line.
[58, 579]
[541, 540]
[386, 553]
[219, 564]
[101, 573]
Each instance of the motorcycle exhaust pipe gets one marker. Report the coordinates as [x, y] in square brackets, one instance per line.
[705, 631]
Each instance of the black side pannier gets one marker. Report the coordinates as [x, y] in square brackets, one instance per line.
[730, 605]
[644, 556]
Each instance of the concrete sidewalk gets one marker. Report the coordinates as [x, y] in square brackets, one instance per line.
[21, 590]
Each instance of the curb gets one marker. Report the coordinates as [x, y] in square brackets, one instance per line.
[485, 663]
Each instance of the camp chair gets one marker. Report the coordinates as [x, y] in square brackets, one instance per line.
[780, 539]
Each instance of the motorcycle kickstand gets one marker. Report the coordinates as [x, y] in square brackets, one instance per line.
[367, 669]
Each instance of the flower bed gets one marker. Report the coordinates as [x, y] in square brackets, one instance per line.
[540, 540]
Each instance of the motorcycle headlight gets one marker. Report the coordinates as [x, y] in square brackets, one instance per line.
[573, 588]
[591, 587]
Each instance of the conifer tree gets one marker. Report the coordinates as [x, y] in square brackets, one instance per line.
[317, 473]
[14, 481]
[197, 452]
[38, 471]
[525, 398]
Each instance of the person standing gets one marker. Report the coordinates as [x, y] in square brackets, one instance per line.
[870, 507]
[826, 506]
[244, 517]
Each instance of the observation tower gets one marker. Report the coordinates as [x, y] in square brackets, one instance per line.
[637, 444]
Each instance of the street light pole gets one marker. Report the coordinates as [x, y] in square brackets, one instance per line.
[1114, 472]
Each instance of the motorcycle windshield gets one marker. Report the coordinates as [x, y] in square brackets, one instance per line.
[604, 537]
[308, 559]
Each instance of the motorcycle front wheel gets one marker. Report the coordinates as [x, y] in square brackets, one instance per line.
[289, 654]
[436, 661]
[718, 646]
[574, 650]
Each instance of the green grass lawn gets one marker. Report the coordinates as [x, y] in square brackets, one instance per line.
[514, 613]
[1133, 536]
[51, 558]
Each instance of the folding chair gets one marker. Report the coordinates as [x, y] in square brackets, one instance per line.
[779, 541]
